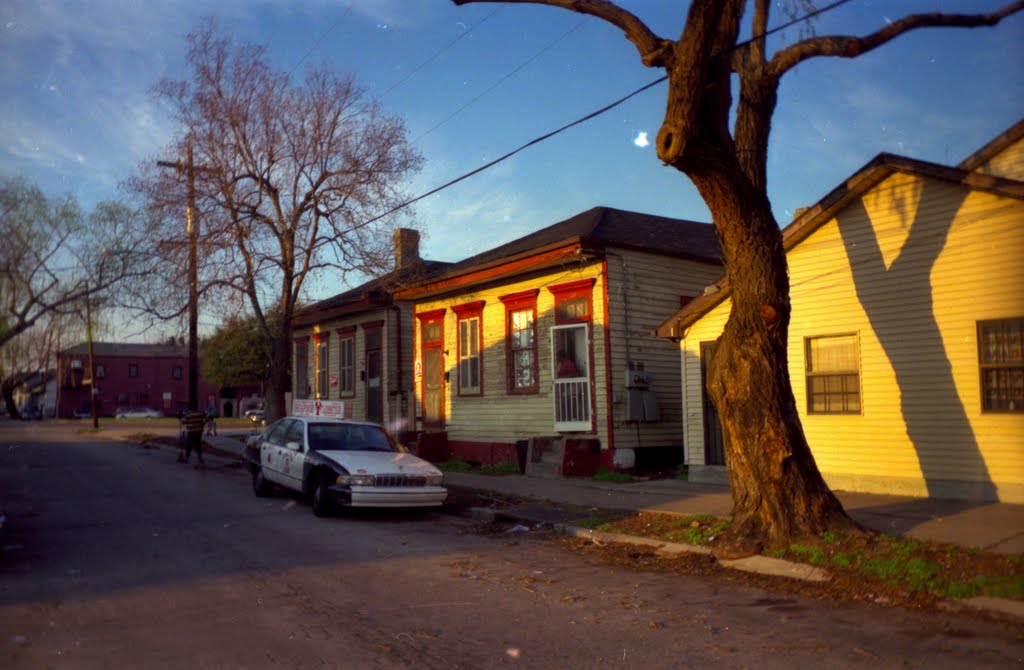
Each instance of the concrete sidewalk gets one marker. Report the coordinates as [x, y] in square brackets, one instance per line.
[992, 526]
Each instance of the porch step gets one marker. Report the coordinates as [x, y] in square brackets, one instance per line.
[543, 470]
[545, 457]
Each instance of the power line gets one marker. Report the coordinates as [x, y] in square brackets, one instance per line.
[448, 46]
[589, 116]
[532, 142]
[320, 39]
[499, 82]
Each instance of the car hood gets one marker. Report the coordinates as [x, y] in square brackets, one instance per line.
[380, 462]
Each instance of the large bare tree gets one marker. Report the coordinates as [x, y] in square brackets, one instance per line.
[286, 174]
[778, 492]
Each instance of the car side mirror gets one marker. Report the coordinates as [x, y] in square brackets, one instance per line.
[294, 446]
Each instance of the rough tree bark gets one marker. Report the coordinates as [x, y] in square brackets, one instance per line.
[778, 492]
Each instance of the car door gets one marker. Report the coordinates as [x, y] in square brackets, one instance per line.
[272, 452]
[294, 454]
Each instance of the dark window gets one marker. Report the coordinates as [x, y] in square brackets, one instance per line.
[101, 371]
[301, 376]
[133, 370]
[469, 356]
[347, 365]
[833, 377]
[1001, 360]
[176, 372]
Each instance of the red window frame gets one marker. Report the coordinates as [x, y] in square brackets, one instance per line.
[519, 302]
[470, 310]
[575, 290]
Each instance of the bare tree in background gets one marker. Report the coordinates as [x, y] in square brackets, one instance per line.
[52, 255]
[778, 492]
[287, 172]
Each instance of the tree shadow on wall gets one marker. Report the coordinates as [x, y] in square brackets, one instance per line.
[899, 303]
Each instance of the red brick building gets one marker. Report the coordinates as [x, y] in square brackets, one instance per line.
[128, 375]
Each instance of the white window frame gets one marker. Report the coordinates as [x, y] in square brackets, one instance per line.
[571, 396]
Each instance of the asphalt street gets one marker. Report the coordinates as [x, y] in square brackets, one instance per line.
[116, 556]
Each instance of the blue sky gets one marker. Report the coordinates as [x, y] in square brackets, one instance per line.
[78, 114]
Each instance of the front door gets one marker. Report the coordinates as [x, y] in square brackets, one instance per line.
[374, 375]
[431, 342]
[714, 446]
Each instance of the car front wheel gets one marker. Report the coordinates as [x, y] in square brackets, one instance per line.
[321, 502]
[260, 486]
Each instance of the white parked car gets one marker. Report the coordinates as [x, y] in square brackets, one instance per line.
[137, 413]
[341, 463]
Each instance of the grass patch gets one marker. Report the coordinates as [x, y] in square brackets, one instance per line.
[502, 468]
[876, 564]
[603, 475]
[454, 466]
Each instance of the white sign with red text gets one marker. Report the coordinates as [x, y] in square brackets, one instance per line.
[332, 409]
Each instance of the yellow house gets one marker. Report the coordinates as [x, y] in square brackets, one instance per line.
[905, 342]
[541, 349]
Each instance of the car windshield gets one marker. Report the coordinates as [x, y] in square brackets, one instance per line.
[342, 437]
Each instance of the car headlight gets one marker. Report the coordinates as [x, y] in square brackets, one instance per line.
[435, 480]
[355, 480]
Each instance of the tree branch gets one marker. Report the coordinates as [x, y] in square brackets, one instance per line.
[850, 47]
[654, 51]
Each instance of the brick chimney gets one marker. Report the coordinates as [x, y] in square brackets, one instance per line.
[407, 247]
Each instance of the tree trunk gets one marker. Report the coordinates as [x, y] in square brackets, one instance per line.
[279, 378]
[778, 492]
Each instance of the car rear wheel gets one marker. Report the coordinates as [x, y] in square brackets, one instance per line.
[321, 502]
[260, 486]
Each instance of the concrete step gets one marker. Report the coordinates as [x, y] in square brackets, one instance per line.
[543, 469]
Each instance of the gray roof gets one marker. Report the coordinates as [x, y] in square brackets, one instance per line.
[374, 292]
[609, 227]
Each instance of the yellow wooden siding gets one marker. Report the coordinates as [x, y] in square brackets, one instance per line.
[645, 288]
[707, 329]
[1007, 163]
[497, 416]
[651, 288]
[915, 434]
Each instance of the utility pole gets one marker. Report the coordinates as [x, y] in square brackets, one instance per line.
[192, 233]
[92, 365]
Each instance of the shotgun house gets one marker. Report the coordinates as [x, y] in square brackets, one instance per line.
[905, 339]
[540, 350]
[356, 346]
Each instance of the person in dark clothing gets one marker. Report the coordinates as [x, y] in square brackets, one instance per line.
[192, 423]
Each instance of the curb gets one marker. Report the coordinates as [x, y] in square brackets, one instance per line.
[764, 565]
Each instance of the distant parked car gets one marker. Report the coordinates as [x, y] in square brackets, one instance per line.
[256, 415]
[137, 413]
[82, 413]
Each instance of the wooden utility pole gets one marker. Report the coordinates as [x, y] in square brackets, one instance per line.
[92, 365]
[192, 234]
